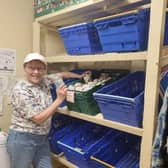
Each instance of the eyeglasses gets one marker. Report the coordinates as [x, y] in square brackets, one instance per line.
[32, 69]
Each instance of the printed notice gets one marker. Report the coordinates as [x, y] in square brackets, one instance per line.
[3, 83]
[7, 59]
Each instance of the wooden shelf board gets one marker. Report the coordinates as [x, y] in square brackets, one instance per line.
[63, 160]
[87, 11]
[98, 119]
[98, 57]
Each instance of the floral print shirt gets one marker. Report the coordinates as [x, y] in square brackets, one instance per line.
[28, 100]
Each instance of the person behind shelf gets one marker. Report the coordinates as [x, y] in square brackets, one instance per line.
[32, 109]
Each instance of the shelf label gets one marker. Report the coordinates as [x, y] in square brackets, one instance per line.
[70, 97]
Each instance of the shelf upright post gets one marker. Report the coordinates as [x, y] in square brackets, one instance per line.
[155, 45]
[36, 36]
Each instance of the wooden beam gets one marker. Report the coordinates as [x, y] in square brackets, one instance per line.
[157, 20]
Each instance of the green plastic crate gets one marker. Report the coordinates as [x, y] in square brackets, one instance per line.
[84, 102]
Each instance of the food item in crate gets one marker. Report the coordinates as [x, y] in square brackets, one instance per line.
[87, 77]
[88, 83]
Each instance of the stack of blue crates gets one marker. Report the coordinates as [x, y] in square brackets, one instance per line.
[91, 141]
[128, 32]
[79, 145]
[122, 101]
[81, 39]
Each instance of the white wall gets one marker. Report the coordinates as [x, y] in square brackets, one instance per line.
[16, 18]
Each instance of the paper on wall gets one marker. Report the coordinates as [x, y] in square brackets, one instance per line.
[1, 105]
[7, 59]
[3, 83]
[7, 81]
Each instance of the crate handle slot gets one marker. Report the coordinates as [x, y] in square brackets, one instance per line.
[114, 24]
[129, 20]
[102, 162]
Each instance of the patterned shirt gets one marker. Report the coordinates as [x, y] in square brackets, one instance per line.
[28, 100]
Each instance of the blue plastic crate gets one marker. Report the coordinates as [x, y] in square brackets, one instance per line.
[113, 150]
[79, 145]
[130, 159]
[122, 101]
[57, 135]
[53, 88]
[165, 42]
[53, 138]
[81, 39]
[59, 120]
[124, 33]
[60, 126]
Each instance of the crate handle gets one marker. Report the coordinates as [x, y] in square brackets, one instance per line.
[129, 20]
[102, 162]
[114, 23]
[110, 24]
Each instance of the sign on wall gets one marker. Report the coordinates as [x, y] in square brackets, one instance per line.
[7, 73]
[7, 59]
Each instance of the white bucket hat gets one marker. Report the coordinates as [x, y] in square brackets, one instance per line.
[34, 56]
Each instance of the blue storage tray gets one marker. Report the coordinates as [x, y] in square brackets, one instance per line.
[54, 95]
[113, 149]
[130, 159]
[124, 33]
[59, 121]
[79, 145]
[81, 39]
[57, 135]
[122, 101]
[60, 126]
